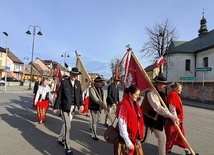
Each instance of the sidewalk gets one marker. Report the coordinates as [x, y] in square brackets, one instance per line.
[16, 89]
[198, 104]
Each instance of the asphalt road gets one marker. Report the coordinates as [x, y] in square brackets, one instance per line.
[22, 135]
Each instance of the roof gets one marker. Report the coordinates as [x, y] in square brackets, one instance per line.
[151, 67]
[198, 44]
[14, 58]
[38, 68]
[2, 49]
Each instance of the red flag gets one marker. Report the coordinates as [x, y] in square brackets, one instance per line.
[135, 74]
[160, 61]
[58, 78]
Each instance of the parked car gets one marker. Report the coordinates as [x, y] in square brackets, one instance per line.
[2, 82]
[10, 79]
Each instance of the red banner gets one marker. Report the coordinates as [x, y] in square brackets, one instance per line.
[58, 78]
[136, 74]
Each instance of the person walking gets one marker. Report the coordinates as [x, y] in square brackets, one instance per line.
[42, 99]
[112, 98]
[175, 106]
[69, 98]
[97, 101]
[131, 124]
[155, 113]
[86, 102]
[35, 88]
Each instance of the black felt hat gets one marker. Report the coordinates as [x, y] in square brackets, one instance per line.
[99, 79]
[160, 79]
[75, 71]
[117, 79]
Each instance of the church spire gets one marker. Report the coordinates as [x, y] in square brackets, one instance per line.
[203, 27]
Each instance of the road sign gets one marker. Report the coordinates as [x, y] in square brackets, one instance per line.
[202, 69]
[187, 78]
[7, 69]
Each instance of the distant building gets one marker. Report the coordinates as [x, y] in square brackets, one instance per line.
[191, 62]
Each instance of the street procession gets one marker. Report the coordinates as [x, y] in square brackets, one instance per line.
[96, 79]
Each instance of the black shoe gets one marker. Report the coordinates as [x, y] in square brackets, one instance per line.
[106, 125]
[61, 142]
[69, 152]
[95, 138]
[187, 153]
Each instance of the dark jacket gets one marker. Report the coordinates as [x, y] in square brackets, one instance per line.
[36, 86]
[113, 94]
[64, 98]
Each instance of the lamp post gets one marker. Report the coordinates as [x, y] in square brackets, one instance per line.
[65, 54]
[161, 35]
[6, 50]
[29, 33]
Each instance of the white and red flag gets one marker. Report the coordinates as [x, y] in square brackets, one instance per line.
[160, 61]
[135, 73]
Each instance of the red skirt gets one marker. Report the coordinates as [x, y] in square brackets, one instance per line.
[85, 104]
[42, 107]
[173, 137]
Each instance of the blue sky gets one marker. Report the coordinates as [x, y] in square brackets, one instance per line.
[98, 29]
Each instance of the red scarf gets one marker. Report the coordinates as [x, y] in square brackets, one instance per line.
[134, 121]
[174, 99]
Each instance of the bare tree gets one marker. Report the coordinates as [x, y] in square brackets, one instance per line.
[160, 36]
[114, 62]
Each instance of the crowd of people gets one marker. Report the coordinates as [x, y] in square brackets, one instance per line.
[136, 121]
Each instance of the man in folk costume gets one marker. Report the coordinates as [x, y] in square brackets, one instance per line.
[42, 99]
[155, 113]
[97, 101]
[112, 98]
[131, 124]
[69, 98]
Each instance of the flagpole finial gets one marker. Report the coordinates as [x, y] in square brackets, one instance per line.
[128, 47]
[77, 53]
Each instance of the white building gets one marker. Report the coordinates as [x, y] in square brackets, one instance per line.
[191, 63]
[187, 59]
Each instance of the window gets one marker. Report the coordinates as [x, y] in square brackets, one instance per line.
[205, 61]
[188, 65]
[0, 54]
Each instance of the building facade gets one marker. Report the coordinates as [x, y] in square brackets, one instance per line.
[191, 63]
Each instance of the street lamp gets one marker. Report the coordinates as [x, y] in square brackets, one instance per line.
[29, 33]
[5, 76]
[65, 54]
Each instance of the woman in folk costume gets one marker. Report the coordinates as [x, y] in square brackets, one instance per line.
[131, 124]
[42, 99]
[176, 108]
[35, 88]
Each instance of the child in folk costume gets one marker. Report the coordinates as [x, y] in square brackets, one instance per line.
[42, 99]
[86, 102]
[176, 108]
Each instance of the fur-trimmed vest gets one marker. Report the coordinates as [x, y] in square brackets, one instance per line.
[151, 118]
